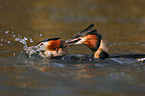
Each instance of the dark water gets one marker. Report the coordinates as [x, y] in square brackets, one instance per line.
[122, 22]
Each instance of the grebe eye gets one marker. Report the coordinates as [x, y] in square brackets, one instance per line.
[41, 43]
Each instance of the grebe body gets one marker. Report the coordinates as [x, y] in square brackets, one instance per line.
[49, 48]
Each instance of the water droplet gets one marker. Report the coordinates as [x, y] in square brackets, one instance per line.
[40, 34]
[14, 54]
[31, 40]
[1, 44]
[19, 35]
[25, 38]
[6, 32]
[14, 35]
[17, 39]
[8, 41]
[2, 39]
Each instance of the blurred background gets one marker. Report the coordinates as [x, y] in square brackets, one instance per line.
[121, 22]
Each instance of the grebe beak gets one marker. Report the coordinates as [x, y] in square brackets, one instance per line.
[92, 39]
[72, 42]
[78, 37]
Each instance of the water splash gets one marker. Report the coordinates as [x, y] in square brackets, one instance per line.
[23, 40]
[30, 50]
[17, 37]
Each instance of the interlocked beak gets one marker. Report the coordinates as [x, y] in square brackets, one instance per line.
[72, 42]
[78, 38]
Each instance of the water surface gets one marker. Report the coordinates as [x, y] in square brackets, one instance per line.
[121, 22]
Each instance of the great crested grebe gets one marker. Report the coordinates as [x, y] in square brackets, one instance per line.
[96, 42]
[48, 48]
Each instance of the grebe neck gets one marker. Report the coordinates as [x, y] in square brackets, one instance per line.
[103, 49]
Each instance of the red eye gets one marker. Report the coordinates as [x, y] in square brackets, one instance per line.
[41, 44]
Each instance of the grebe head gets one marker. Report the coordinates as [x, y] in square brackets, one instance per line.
[91, 38]
[49, 48]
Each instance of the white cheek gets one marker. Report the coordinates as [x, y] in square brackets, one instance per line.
[45, 43]
[45, 46]
[81, 41]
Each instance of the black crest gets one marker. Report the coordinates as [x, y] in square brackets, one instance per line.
[45, 40]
